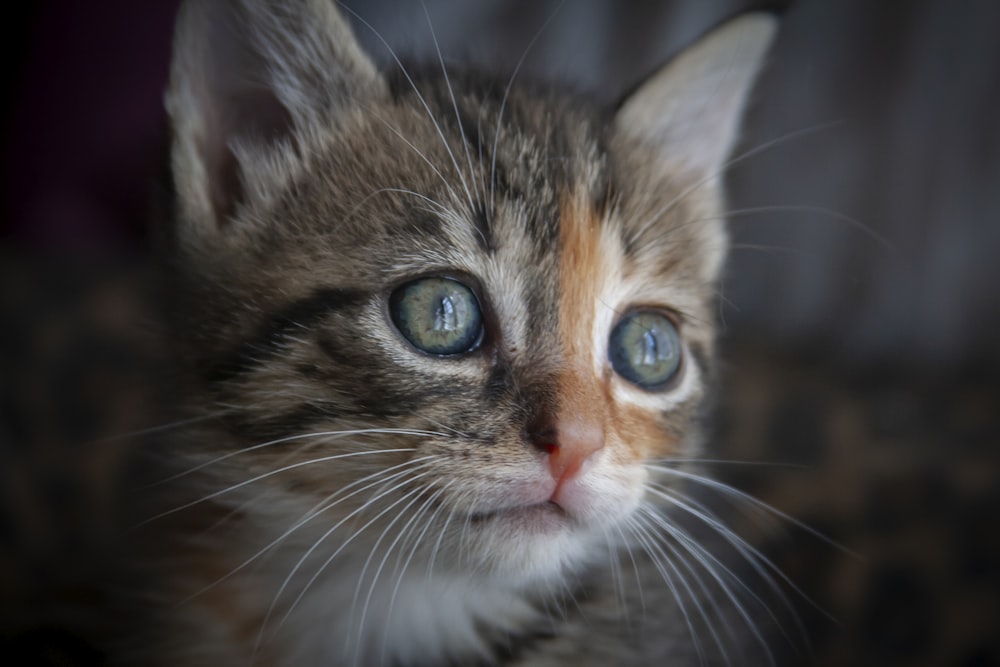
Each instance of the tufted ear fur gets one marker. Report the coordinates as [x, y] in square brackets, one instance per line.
[690, 109]
[251, 82]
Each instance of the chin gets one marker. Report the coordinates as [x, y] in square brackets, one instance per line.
[531, 545]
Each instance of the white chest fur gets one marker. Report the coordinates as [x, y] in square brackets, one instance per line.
[400, 619]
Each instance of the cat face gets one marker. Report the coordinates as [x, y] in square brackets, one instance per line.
[473, 311]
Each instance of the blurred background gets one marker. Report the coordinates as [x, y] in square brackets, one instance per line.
[861, 310]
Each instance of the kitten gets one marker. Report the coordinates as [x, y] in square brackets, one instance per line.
[446, 338]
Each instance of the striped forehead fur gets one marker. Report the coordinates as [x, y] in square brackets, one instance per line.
[390, 184]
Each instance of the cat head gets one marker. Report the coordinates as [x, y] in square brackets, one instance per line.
[479, 298]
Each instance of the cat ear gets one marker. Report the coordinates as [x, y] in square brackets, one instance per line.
[689, 111]
[249, 82]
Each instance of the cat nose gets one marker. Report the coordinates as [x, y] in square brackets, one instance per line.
[579, 439]
[570, 441]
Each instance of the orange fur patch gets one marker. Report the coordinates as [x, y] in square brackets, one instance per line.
[585, 392]
[643, 432]
[580, 270]
[582, 402]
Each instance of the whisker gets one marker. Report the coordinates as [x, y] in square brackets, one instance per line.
[656, 527]
[418, 538]
[397, 574]
[257, 478]
[329, 435]
[346, 542]
[385, 557]
[731, 162]
[635, 569]
[433, 167]
[438, 207]
[640, 530]
[451, 93]
[713, 566]
[444, 427]
[463, 536]
[830, 213]
[118, 437]
[316, 543]
[733, 492]
[773, 250]
[753, 556]
[420, 97]
[617, 583]
[734, 462]
[326, 504]
[792, 208]
[438, 542]
[482, 169]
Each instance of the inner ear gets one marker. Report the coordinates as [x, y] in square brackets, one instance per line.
[690, 110]
[249, 79]
[259, 119]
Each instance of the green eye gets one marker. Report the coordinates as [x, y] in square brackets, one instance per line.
[645, 349]
[437, 315]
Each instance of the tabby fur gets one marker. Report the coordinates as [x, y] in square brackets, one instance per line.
[342, 498]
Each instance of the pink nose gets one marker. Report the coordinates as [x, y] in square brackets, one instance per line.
[570, 444]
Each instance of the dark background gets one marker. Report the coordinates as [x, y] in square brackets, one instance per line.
[861, 308]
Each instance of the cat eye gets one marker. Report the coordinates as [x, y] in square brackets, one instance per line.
[645, 349]
[438, 316]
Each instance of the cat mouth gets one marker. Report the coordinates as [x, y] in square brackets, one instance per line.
[546, 511]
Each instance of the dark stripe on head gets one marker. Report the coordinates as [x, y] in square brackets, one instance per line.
[420, 224]
[373, 401]
[540, 227]
[500, 383]
[302, 419]
[484, 231]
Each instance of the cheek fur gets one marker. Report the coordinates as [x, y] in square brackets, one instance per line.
[643, 433]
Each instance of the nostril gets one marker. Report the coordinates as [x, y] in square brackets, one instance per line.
[542, 435]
